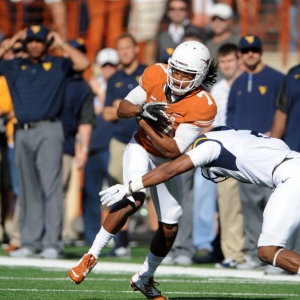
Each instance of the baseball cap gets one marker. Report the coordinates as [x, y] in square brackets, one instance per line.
[250, 41]
[167, 53]
[107, 56]
[221, 10]
[78, 44]
[37, 32]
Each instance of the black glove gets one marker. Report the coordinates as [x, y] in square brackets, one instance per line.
[152, 109]
[138, 118]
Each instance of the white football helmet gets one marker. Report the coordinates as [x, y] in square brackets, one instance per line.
[190, 57]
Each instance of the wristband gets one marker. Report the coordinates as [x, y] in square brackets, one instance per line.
[136, 185]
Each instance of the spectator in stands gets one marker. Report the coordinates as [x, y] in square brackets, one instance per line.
[293, 23]
[106, 23]
[5, 20]
[144, 21]
[254, 92]
[6, 108]
[118, 86]
[222, 22]
[33, 12]
[77, 117]
[96, 169]
[6, 112]
[285, 127]
[229, 203]
[36, 88]
[201, 12]
[59, 16]
[178, 15]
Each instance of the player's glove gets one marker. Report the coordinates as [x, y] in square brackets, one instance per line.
[138, 118]
[152, 110]
[114, 194]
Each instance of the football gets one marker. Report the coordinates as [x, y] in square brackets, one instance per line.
[163, 124]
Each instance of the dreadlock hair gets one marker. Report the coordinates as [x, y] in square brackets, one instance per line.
[212, 73]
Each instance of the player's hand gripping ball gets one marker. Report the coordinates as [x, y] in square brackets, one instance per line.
[152, 110]
[163, 124]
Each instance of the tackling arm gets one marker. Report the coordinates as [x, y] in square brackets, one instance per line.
[200, 156]
[167, 171]
[160, 174]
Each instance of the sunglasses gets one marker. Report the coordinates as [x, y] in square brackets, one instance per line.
[108, 64]
[253, 50]
[17, 50]
[217, 18]
[179, 9]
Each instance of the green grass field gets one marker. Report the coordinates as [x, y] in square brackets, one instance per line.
[23, 282]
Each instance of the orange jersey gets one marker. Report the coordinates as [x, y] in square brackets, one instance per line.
[197, 108]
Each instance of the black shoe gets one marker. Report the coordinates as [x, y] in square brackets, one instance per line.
[211, 258]
[5, 239]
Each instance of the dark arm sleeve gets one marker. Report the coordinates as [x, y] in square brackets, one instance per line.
[231, 109]
[87, 115]
[281, 101]
[110, 97]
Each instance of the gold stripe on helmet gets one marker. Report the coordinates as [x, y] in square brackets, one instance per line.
[198, 140]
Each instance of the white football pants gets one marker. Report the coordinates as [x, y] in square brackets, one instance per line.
[282, 213]
[166, 196]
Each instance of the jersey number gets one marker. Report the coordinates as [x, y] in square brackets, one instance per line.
[208, 99]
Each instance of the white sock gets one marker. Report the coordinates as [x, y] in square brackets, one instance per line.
[298, 272]
[101, 240]
[150, 265]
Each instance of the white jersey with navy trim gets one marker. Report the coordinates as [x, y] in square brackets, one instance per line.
[241, 154]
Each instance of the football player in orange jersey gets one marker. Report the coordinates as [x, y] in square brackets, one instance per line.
[177, 89]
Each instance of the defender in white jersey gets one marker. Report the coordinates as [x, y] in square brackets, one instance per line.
[249, 157]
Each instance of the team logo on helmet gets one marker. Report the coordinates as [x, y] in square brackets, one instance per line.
[206, 61]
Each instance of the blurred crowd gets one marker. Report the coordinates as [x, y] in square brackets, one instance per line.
[58, 117]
